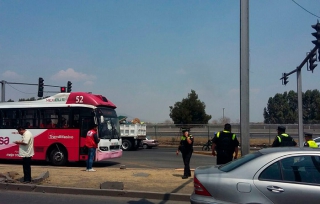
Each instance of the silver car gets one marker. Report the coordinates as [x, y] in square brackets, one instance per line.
[317, 140]
[271, 175]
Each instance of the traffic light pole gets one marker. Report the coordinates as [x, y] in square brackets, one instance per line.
[30, 84]
[299, 92]
[300, 112]
[303, 62]
[2, 90]
[3, 83]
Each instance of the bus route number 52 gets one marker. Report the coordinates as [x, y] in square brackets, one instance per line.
[79, 99]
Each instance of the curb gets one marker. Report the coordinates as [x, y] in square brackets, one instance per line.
[203, 152]
[97, 192]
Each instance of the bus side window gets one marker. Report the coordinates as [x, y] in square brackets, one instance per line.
[27, 125]
[49, 124]
[11, 118]
[1, 120]
[27, 116]
[86, 125]
[76, 123]
[75, 119]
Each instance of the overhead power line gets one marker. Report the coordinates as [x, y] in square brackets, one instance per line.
[19, 90]
[305, 9]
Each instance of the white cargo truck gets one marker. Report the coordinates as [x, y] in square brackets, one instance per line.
[132, 135]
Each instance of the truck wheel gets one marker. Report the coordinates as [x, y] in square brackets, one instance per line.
[58, 158]
[126, 145]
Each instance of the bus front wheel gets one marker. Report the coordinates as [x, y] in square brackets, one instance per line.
[58, 157]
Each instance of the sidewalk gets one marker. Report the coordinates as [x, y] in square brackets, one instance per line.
[161, 183]
[148, 183]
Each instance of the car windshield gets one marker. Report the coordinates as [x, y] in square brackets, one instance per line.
[239, 162]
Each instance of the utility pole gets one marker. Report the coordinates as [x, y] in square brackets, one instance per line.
[223, 115]
[244, 78]
[3, 87]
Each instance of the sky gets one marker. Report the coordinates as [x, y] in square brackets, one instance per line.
[146, 55]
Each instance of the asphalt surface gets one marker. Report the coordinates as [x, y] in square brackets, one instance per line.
[173, 193]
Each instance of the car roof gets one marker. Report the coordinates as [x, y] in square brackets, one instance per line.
[288, 149]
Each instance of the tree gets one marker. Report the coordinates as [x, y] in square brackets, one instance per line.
[215, 122]
[189, 111]
[310, 106]
[10, 100]
[283, 108]
[27, 99]
[224, 120]
[168, 121]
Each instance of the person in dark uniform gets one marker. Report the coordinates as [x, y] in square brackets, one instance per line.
[309, 141]
[186, 149]
[224, 145]
[283, 139]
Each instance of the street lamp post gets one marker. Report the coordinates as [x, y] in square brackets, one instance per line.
[223, 115]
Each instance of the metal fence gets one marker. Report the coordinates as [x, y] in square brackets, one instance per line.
[207, 130]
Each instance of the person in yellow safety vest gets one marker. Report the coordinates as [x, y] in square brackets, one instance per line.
[283, 139]
[186, 149]
[309, 141]
[224, 145]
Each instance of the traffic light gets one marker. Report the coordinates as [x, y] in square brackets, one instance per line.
[40, 87]
[62, 89]
[312, 60]
[69, 86]
[317, 35]
[284, 79]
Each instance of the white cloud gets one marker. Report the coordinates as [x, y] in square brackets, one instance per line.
[11, 75]
[71, 75]
[88, 83]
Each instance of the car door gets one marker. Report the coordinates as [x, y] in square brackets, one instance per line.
[294, 179]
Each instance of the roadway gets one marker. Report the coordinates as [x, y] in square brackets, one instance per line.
[161, 157]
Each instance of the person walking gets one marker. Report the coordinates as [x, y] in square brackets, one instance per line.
[224, 145]
[283, 139]
[309, 141]
[186, 149]
[92, 141]
[26, 151]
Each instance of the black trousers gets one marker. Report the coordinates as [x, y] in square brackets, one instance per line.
[223, 157]
[26, 161]
[186, 156]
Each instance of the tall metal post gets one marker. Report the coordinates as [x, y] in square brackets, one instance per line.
[244, 77]
[223, 115]
[3, 85]
[300, 110]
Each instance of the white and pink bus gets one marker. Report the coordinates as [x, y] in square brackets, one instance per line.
[59, 125]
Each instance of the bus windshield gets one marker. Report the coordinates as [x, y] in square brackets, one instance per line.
[109, 127]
